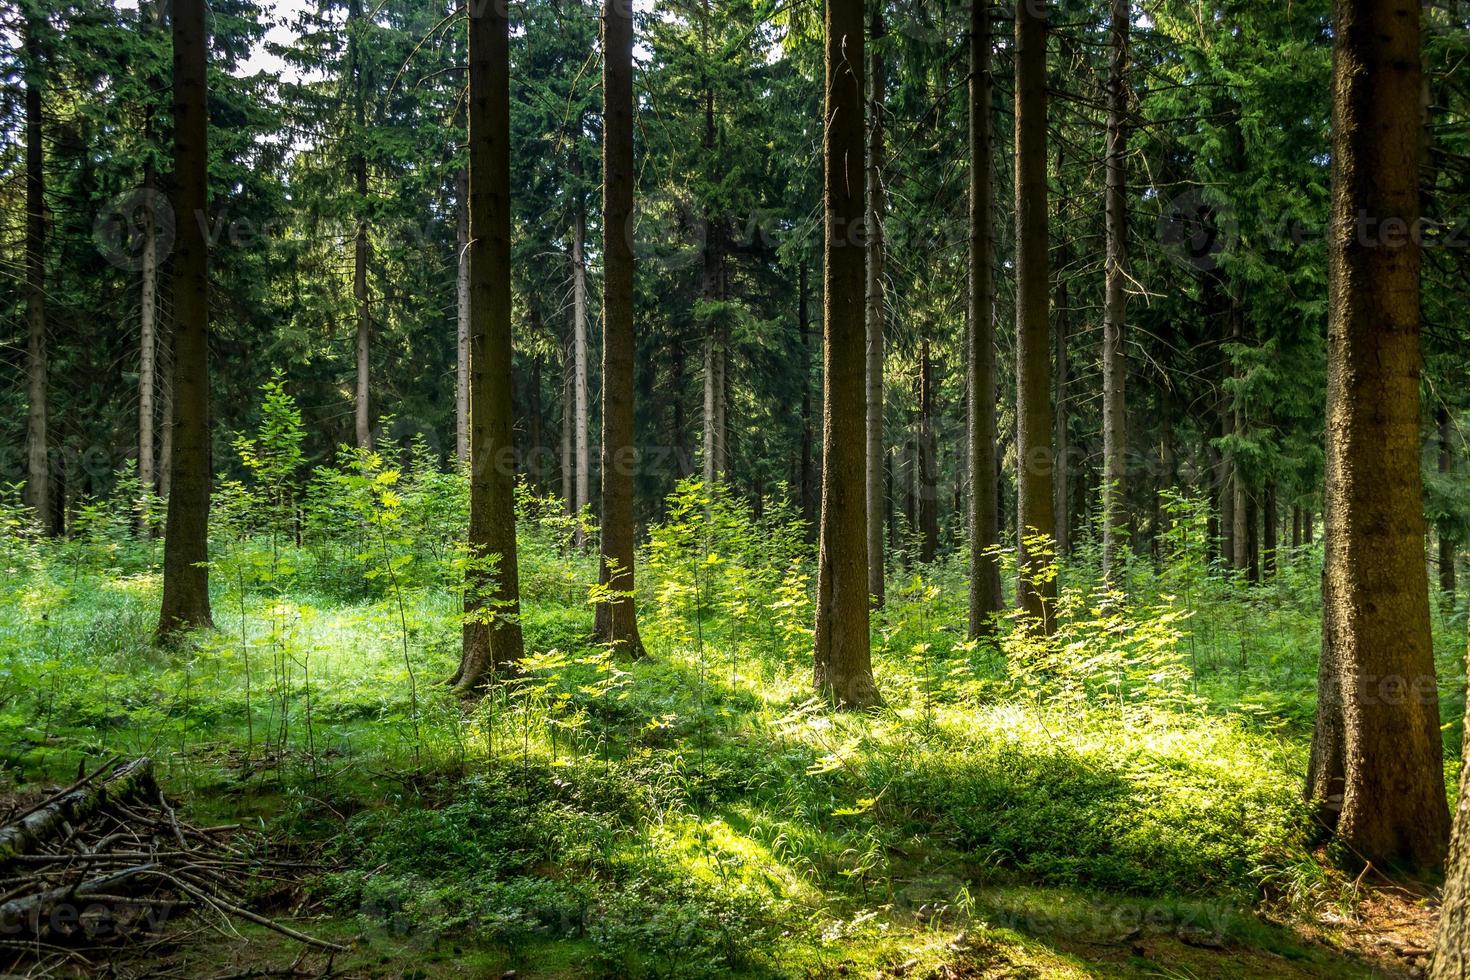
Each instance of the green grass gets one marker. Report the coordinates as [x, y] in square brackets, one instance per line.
[696, 813]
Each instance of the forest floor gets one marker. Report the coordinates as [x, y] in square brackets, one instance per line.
[695, 813]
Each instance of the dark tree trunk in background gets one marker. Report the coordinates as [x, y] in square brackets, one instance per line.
[186, 547]
[568, 466]
[462, 322]
[358, 164]
[617, 621]
[808, 469]
[1063, 320]
[166, 403]
[492, 640]
[1376, 767]
[1272, 542]
[842, 661]
[535, 451]
[38, 469]
[928, 464]
[984, 517]
[1035, 454]
[678, 424]
[1446, 531]
[876, 311]
[1115, 297]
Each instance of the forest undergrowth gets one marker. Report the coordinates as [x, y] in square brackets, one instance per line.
[1120, 799]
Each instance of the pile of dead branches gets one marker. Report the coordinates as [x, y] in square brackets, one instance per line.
[107, 862]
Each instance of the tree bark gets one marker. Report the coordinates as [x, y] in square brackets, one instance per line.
[462, 319]
[186, 547]
[1115, 300]
[1376, 768]
[984, 517]
[617, 622]
[876, 311]
[842, 658]
[1035, 454]
[492, 641]
[38, 466]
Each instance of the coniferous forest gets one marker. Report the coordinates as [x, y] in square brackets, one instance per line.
[753, 488]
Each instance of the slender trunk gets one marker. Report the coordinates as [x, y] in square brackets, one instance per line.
[462, 334]
[1035, 453]
[1271, 544]
[1240, 499]
[147, 331]
[617, 622]
[842, 657]
[1062, 302]
[1447, 540]
[358, 164]
[166, 405]
[1296, 529]
[568, 464]
[534, 467]
[682, 462]
[1376, 769]
[581, 424]
[38, 469]
[1114, 357]
[492, 641]
[1309, 527]
[928, 479]
[808, 469]
[876, 311]
[984, 516]
[186, 547]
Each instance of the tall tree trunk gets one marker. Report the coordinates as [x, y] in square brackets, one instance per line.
[1446, 532]
[568, 463]
[38, 468]
[462, 319]
[166, 403]
[1035, 454]
[535, 465]
[876, 310]
[682, 460]
[984, 516]
[928, 477]
[842, 658]
[1376, 767]
[1115, 299]
[362, 415]
[617, 621]
[186, 547]
[1272, 544]
[148, 330]
[1062, 303]
[808, 469]
[492, 639]
[580, 424]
